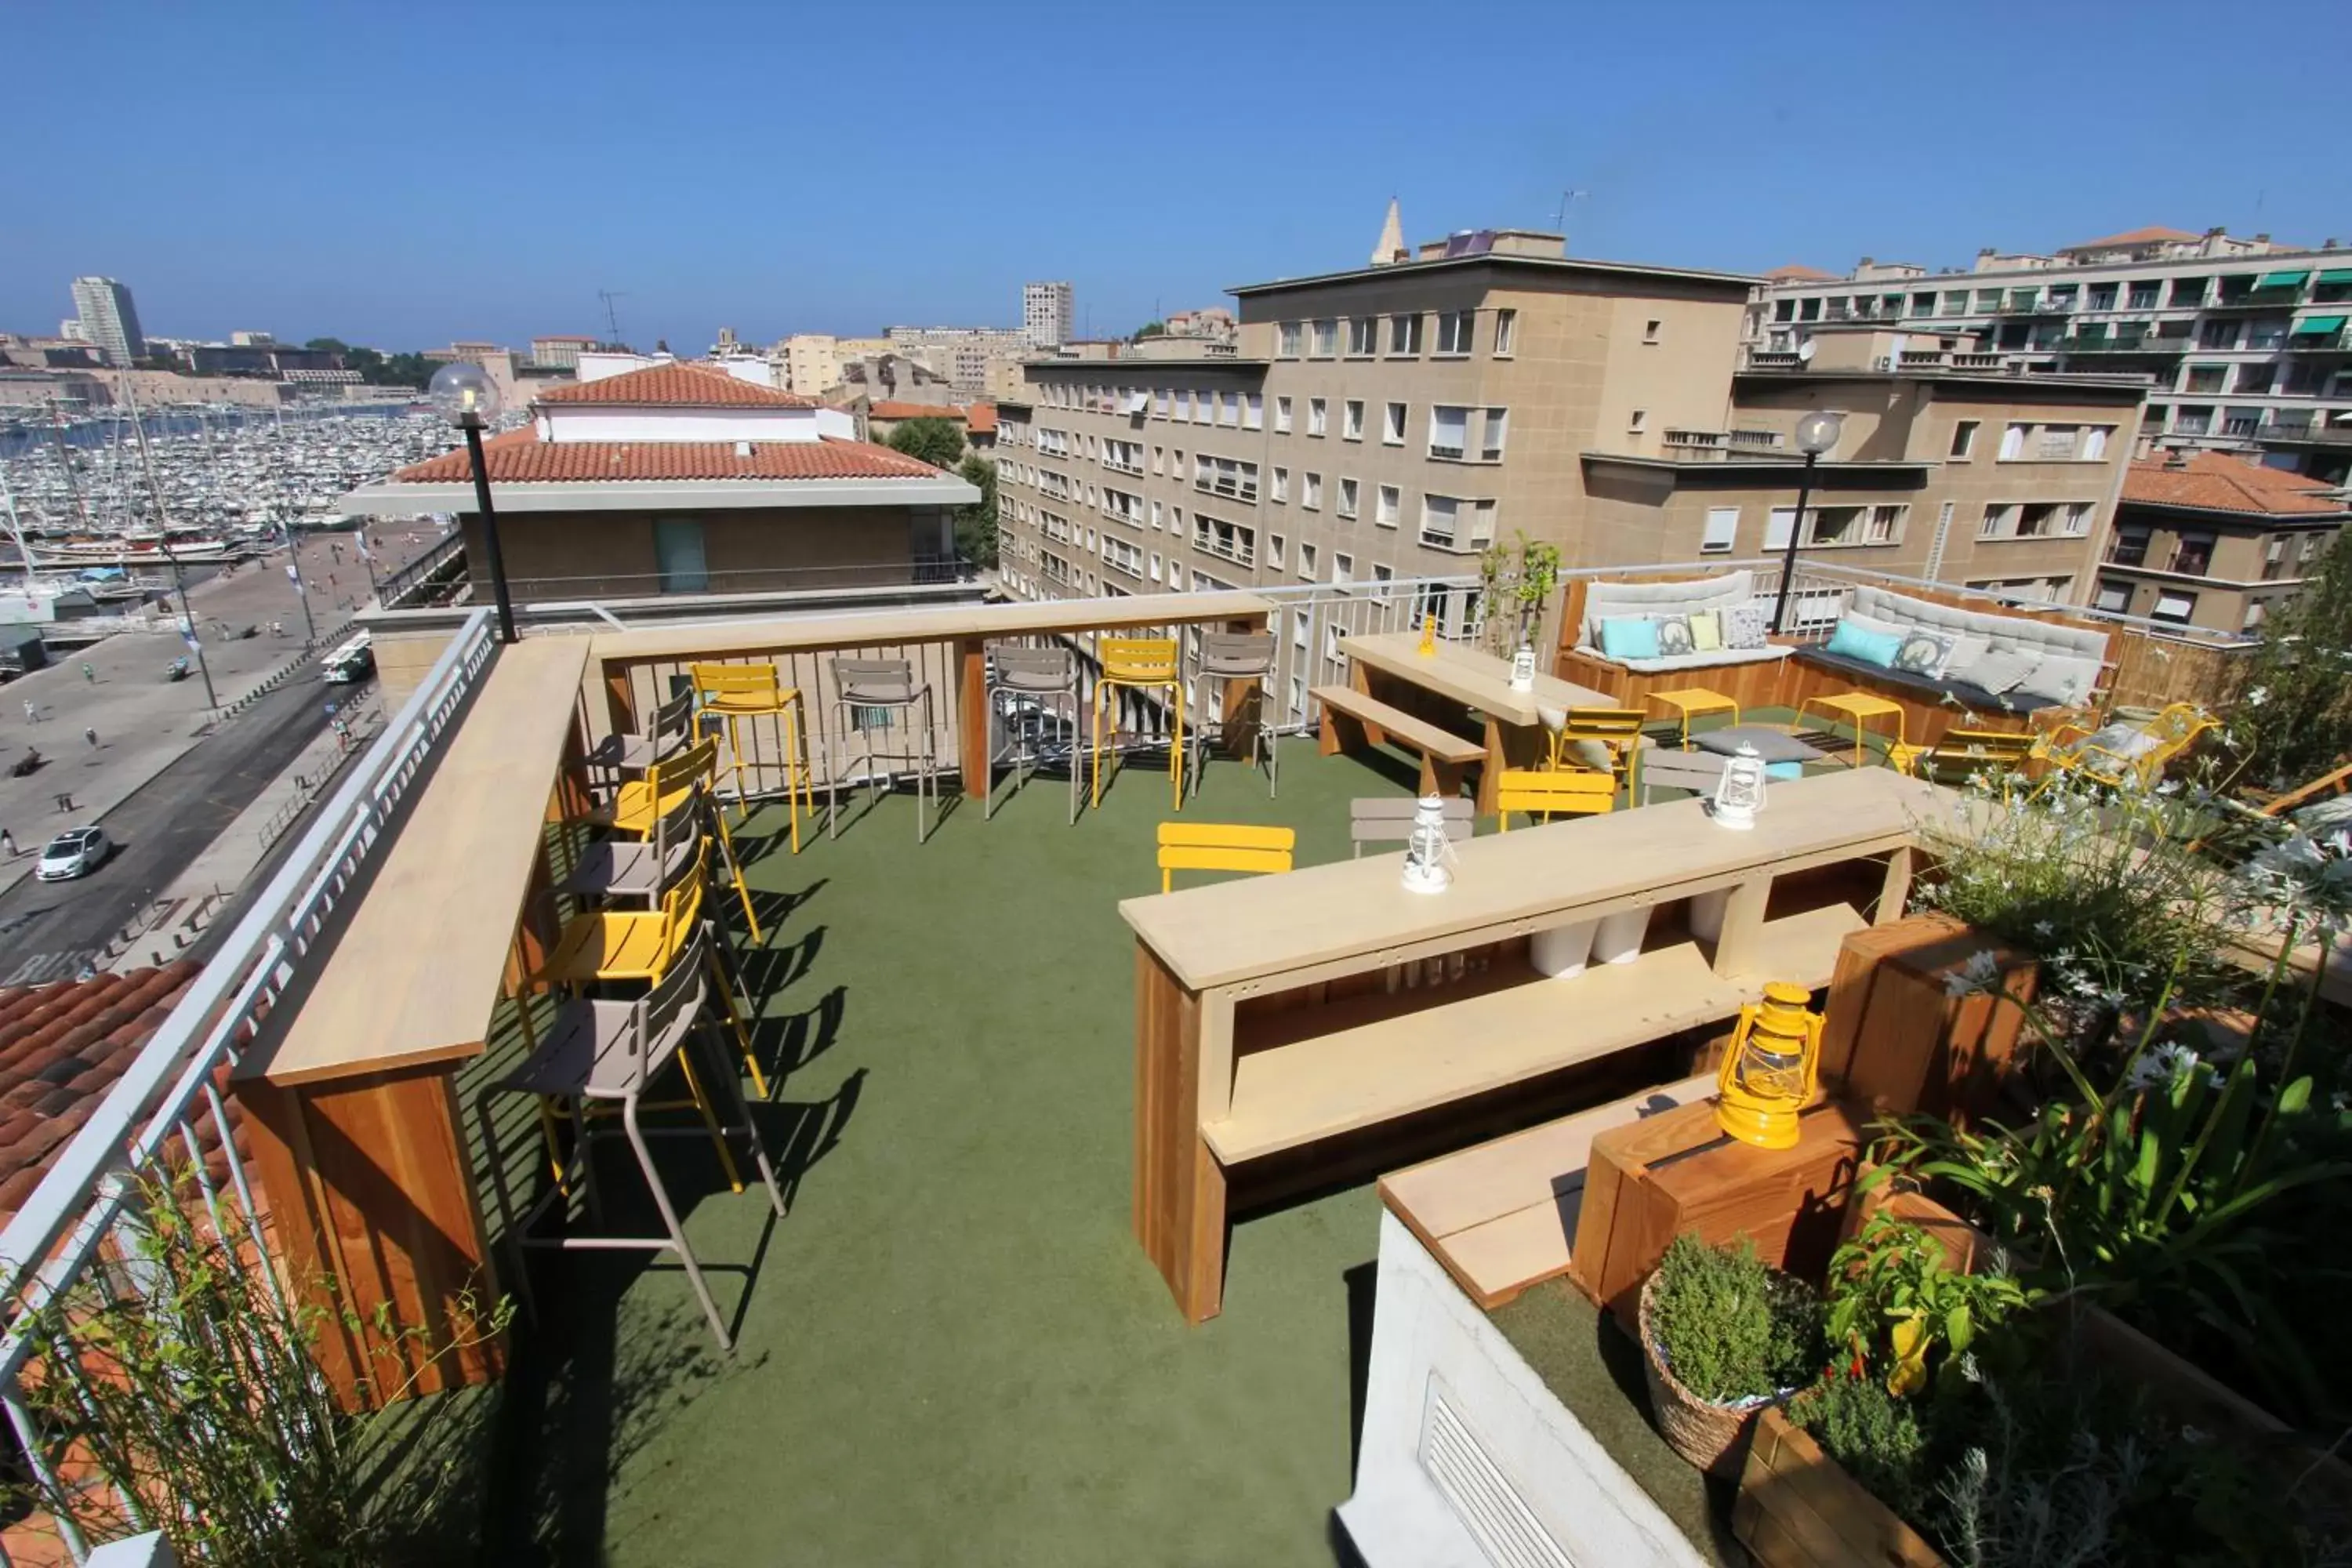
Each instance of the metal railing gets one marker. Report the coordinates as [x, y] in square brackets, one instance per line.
[158, 1113]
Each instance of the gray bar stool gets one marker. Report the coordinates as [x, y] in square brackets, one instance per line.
[620, 756]
[1025, 681]
[885, 686]
[1225, 658]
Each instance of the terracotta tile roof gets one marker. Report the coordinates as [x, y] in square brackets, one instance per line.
[520, 456]
[675, 386]
[2218, 481]
[1798, 272]
[913, 411]
[62, 1046]
[2132, 236]
[981, 418]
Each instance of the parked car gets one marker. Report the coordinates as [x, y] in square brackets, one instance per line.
[75, 852]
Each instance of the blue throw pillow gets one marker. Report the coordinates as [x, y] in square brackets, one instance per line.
[1630, 636]
[1871, 647]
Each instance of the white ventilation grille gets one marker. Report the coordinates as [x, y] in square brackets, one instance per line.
[1481, 1497]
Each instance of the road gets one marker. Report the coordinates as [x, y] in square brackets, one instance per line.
[48, 930]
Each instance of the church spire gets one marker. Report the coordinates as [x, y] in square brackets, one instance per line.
[1391, 241]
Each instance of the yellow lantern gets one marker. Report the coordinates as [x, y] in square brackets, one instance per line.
[1428, 649]
[1768, 1072]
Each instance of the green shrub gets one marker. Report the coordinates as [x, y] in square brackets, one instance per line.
[1731, 1328]
[1874, 1435]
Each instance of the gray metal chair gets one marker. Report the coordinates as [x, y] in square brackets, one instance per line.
[621, 756]
[864, 688]
[1698, 772]
[609, 1053]
[639, 869]
[1225, 658]
[1024, 682]
[1388, 819]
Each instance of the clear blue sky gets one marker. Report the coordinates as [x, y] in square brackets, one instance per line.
[403, 173]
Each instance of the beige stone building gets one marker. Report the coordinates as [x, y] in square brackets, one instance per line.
[2214, 539]
[681, 478]
[1392, 421]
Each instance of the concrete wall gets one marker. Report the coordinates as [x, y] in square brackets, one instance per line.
[587, 555]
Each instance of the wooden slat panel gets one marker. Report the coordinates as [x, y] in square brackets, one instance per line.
[1178, 1203]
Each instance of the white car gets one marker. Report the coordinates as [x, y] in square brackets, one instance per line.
[76, 852]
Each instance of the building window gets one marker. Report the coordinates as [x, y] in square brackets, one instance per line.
[1404, 336]
[678, 555]
[1254, 411]
[1315, 415]
[2057, 443]
[1229, 408]
[1450, 523]
[1363, 336]
[2114, 597]
[1722, 530]
[1160, 403]
[1639, 421]
[1347, 507]
[1343, 568]
[1454, 328]
[1506, 332]
[1327, 339]
[2130, 546]
[1310, 490]
[1273, 552]
[1282, 417]
[1307, 567]
[1386, 506]
[2173, 605]
[1650, 330]
[1287, 337]
[1498, 426]
[2193, 556]
[2013, 443]
[1281, 485]
[1392, 425]
[2208, 378]
[1964, 441]
[1449, 431]
[2144, 295]
[1351, 419]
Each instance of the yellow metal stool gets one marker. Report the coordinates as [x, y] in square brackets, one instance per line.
[641, 805]
[1856, 707]
[736, 692]
[1691, 701]
[1140, 664]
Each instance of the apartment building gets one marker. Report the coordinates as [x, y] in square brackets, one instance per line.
[812, 361]
[1392, 421]
[1386, 422]
[2242, 342]
[965, 355]
[105, 316]
[1048, 314]
[2214, 539]
[559, 351]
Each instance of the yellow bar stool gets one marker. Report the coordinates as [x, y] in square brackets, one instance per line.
[640, 806]
[1139, 664]
[737, 692]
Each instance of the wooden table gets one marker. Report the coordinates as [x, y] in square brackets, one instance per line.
[1281, 1013]
[1390, 667]
[351, 1097]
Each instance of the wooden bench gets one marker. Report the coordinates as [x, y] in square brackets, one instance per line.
[1502, 1217]
[1351, 719]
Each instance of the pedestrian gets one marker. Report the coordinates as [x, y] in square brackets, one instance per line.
[32, 711]
[88, 674]
[7, 844]
[89, 733]
[65, 800]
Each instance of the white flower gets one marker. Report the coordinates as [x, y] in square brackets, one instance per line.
[1980, 974]
[2163, 1064]
[2258, 696]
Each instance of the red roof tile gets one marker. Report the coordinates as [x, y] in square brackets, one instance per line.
[62, 1047]
[2133, 237]
[520, 456]
[673, 385]
[2218, 481]
[914, 411]
[1798, 272]
[981, 419]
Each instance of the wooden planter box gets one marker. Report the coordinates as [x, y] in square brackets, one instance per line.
[1798, 1509]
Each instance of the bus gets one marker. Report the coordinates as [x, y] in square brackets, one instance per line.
[353, 661]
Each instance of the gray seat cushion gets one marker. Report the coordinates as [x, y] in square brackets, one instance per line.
[1773, 745]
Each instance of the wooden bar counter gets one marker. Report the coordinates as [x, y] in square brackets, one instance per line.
[1277, 1012]
[352, 1102]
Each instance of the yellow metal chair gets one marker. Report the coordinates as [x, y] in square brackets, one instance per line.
[740, 692]
[1565, 793]
[1997, 752]
[1140, 664]
[1223, 846]
[2124, 754]
[1617, 731]
[641, 806]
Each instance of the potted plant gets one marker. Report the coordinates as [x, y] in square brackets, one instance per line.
[1723, 1336]
[1514, 592]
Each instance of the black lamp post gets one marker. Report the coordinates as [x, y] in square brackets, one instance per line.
[465, 395]
[1816, 433]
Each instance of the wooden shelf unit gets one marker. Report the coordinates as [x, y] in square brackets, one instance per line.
[1279, 1013]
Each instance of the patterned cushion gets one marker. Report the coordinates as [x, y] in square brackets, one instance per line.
[1744, 625]
[2003, 670]
[1675, 636]
[1923, 653]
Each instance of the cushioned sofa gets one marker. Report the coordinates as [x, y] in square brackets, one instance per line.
[1985, 662]
[1666, 603]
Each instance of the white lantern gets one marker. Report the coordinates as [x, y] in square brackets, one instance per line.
[1428, 853]
[1523, 669]
[1740, 793]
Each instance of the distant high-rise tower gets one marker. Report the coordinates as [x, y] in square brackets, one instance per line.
[1045, 313]
[109, 319]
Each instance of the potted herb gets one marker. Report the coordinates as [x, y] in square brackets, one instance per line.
[1723, 1335]
[1514, 592]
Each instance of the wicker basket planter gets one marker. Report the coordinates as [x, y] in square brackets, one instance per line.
[1710, 1437]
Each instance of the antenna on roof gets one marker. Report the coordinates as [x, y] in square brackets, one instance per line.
[612, 316]
[1559, 218]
